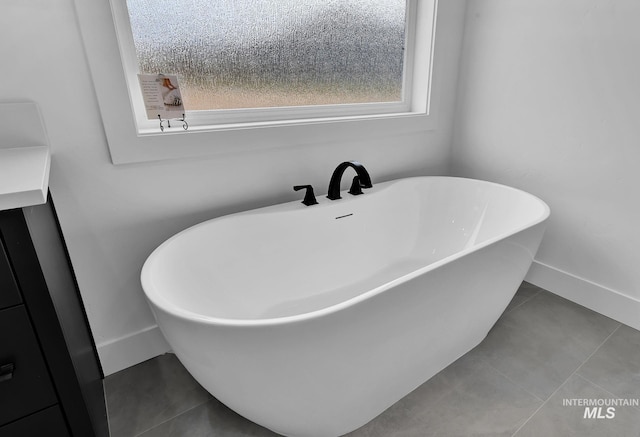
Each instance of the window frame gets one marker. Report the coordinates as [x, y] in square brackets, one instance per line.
[112, 59]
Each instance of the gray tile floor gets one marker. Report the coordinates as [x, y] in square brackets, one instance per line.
[544, 350]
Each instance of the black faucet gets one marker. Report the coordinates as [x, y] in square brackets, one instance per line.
[309, 196]
[362, 180]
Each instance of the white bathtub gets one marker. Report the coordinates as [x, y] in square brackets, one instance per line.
[311, 321]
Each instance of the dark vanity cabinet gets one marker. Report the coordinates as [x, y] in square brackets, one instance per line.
[50, 376]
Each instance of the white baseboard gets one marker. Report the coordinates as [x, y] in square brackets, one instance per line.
[127, 351]
[625, 309]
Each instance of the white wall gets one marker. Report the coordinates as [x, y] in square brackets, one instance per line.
[114, 216]
[549, 101]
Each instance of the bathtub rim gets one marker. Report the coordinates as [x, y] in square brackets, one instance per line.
[156, 299]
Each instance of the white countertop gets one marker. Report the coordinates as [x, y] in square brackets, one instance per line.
[24, 176]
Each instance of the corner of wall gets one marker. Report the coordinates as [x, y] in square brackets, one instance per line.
[456, 20]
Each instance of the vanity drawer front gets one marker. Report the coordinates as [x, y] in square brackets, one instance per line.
[47, 422]
[9, 294]
[25, 386]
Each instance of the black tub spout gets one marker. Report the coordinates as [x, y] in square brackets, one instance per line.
[363, 178]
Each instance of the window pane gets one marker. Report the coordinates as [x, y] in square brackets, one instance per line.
[258, 53]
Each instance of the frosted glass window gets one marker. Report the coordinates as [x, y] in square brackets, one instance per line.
[256, 53]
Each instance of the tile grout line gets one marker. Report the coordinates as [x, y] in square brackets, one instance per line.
[509, 379]
[539, 408]
[174, 417]
[598, 348]
[567, 379]
[486, 361]
[523, 302]
[613, 395]
[106, 406]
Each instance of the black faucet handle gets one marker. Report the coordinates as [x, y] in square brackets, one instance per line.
[356, 186]
[309, 196]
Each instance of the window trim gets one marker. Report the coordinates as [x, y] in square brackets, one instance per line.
[128, 144]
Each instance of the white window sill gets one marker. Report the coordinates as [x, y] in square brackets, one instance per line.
[177, 125]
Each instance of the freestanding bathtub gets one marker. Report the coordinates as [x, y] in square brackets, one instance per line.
[311, 321]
